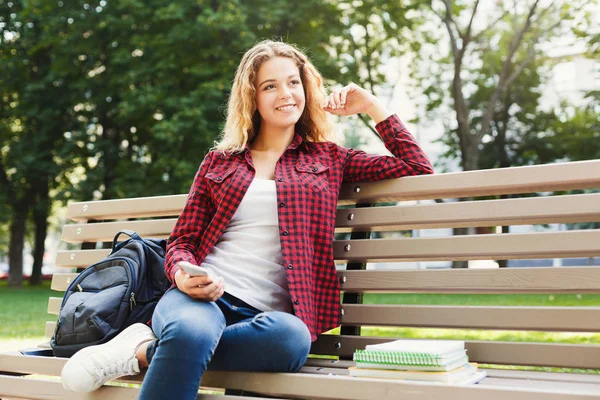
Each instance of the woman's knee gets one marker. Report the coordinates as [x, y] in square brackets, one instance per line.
[291, 339]
[188, 331]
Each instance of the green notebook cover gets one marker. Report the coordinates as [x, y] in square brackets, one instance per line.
[435, 353]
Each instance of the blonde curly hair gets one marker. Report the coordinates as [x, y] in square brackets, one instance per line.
[243, 119]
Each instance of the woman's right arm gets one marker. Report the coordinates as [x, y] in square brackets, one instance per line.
[191, 224]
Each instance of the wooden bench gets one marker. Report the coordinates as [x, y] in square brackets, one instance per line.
[327, 378]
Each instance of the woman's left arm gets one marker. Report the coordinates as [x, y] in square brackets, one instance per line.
[408, 159]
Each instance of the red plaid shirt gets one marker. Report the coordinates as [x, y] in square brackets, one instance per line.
[308, 178]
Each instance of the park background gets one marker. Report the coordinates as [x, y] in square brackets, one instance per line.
[104, 100]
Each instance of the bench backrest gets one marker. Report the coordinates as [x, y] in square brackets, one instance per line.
[480, 207]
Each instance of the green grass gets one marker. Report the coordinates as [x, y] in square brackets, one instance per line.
[23, 313]
[566, 300]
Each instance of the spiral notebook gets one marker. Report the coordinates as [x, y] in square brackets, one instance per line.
[426, 353]
[447, 366]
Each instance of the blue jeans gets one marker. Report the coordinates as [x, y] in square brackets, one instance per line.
[226, 335]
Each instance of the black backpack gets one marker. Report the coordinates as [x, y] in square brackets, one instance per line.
[112, 294]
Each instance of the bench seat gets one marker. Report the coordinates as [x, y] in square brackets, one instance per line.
[469, 200]
[328, 380]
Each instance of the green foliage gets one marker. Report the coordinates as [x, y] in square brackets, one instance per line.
[565, 133]
[120, 99]
[486, 85]
[132, 94]
[150, 81]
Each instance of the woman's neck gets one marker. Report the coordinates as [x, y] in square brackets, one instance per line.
[272, 139]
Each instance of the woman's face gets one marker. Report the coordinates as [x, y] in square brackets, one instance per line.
[279, 93]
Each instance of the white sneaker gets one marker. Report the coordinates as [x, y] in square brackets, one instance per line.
[93, 366]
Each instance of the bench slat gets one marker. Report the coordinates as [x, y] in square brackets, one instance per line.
[501, 280]
[582, 243]
[49, 331]
[504, 353]
[52, 366]
[139, 207]
[105, 232]
[311, 385]
[537, 210]
[493, 373]
[529, 179]
[16, 387]
[54, 304]
[505, 280]
[61, 280]
[314, 386]
[568, 319]
[43, 389]
[468, 247]
[79, 258]
[543, 376]
[572, 387]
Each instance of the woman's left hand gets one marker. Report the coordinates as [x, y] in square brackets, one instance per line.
[351, 99]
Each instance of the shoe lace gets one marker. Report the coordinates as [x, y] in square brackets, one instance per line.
[115, 370]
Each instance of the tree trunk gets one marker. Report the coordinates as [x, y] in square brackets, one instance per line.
[470, 153]
[40, 217]
[17, 242]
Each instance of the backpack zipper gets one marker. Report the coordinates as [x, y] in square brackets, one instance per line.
[132, 302]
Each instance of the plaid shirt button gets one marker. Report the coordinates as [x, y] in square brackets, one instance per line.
[285, 233]
[296, 302]
[280, 179]
[282, 204]
[290, 266]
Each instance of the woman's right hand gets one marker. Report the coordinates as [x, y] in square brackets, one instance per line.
[199, 287]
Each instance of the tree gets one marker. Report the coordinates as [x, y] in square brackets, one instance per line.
[157, 78]
[489, 60]
[375, 34]
[490, 75]
[565, 133]
[34, 112]
[125, 98]
[131, 91]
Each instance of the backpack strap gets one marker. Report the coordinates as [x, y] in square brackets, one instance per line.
[128, 232]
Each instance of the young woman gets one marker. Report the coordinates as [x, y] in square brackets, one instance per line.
[260, 219]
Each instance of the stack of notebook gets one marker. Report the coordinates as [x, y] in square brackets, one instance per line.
[443, 361]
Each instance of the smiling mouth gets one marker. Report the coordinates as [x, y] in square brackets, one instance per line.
[287, 107]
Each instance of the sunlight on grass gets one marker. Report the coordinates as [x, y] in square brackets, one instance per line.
[24, 311]
[533, 300]
[495, 335]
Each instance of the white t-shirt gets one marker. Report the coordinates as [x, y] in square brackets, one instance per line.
[248, 255]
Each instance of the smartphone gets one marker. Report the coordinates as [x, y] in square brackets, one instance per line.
[193, 270]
